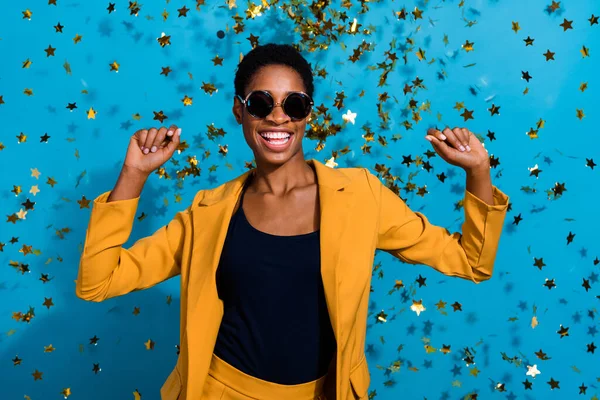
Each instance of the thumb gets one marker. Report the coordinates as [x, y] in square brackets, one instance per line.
[439, 144]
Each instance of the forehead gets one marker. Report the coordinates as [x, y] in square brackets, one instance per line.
[277, 79]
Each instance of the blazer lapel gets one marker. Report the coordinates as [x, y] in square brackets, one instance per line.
[211, 220]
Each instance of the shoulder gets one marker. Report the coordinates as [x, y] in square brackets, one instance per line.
[364, 179]
[354, 172]
[361, 173]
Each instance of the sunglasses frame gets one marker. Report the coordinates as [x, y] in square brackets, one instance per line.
[243, 101]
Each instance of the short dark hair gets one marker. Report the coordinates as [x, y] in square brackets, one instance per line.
[272, 54]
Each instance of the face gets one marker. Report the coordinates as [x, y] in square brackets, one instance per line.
[278, 80]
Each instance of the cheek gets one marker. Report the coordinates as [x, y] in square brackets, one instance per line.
[249, 129]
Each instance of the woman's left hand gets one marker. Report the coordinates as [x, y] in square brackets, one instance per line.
[448, 145]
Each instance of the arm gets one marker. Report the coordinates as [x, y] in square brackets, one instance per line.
[479, 184]
[410, 237]
[106, 269]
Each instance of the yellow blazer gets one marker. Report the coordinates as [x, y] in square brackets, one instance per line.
[358, 215]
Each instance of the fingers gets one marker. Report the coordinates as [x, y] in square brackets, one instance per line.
[162, 137]
[466, 138]
[453, 138]
[141, 137]
[462, 139]
[172, 145]
[442, 139]
[154, 139]
[149, 138]
[457, 138]
[154, 135]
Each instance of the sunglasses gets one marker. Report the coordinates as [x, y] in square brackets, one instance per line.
[260, 103]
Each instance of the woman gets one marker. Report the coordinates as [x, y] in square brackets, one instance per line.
[276, 264]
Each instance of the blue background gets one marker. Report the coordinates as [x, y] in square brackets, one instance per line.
[84, 157]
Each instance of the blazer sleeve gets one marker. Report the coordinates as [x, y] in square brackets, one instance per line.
[410, 237]
[107, 269]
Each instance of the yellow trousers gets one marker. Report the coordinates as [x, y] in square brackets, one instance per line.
[225, 382]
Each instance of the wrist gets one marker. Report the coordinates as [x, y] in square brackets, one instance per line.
[132, 173]
[478, 171]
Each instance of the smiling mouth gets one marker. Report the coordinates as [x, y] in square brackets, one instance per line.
[280, 139]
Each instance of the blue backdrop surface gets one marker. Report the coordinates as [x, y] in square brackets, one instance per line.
[79, 78]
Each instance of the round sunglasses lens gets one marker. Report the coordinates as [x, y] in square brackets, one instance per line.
[259, 104]
[297, 106]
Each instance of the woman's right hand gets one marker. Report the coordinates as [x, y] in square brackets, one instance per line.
[150, 148]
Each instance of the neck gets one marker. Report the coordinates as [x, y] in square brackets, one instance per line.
[278, 180]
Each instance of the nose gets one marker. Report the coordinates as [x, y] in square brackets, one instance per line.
[277, 114]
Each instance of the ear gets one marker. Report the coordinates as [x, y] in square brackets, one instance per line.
[237, 110]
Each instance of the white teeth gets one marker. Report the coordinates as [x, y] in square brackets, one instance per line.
[275, 135]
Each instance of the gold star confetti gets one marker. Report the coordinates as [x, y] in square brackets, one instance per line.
[549, 55]
[494, 110]
[50, 51]
[48, 302]
[417, 306]
[164, 40]
[566, 25]
[49, 349]
[585, 52]
[418, 14]
[468, 46]
[467, 114]
[209, 88]
[528, 41]
[217, 60]
[187, 101]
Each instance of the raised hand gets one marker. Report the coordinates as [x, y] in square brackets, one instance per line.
[150, 148]
[448, 144]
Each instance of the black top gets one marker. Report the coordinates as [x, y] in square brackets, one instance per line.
[275, 325]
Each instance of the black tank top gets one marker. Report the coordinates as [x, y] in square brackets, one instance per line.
[275, 326]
